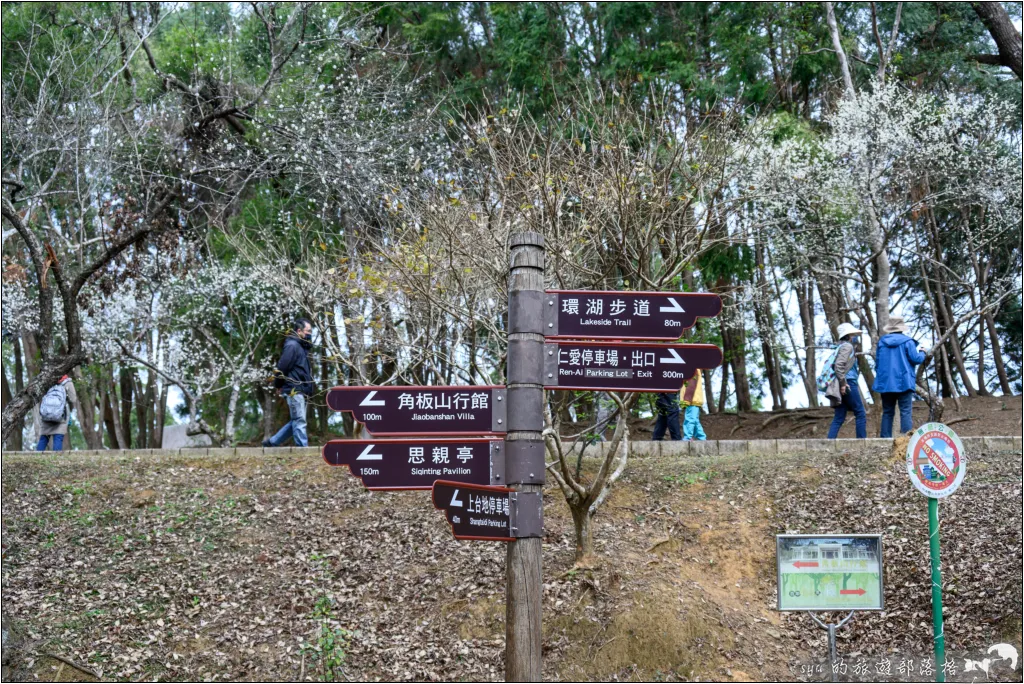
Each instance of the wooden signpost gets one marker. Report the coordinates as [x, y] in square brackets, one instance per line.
[462, 473]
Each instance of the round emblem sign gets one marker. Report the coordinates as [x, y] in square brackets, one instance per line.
[936, 461]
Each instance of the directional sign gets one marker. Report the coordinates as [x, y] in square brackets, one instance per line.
[416, 463]
[416, 410]
[625, 315]
[625, 367]
[488, 513]
[834, 572]
[936, 462]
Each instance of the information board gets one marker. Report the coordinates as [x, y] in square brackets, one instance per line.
[831, 572]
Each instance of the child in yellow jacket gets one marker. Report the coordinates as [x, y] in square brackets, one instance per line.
[691, 399]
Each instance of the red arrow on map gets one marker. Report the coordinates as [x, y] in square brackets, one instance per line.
[858, 592]
[805, 564]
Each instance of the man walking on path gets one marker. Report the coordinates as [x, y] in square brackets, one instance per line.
[896, 357]
[295, 382]
[843, 391]
[51, 415]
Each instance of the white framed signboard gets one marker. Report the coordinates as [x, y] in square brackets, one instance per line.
[829, 572]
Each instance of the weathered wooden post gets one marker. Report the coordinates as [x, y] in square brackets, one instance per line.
[524, 451]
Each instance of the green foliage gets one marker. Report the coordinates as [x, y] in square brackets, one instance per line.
[690, 478]
[328, 652]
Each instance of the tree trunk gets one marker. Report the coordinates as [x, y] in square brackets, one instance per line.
[1004, 33]
[229, 420]
[723, 393]
[709, 392]
[837, 45]
[266, 399]
[87, 411]
[114, 425]
[738, 362]
[766, 329]
[805, 303]
[581, 520]
[982, 388]
[830, 292]
[125, 380]
[141, 409]
[161, 416]
[997, 355]
[883, 269]
[942, 306]
[15, 441]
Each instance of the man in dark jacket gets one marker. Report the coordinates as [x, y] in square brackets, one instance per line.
[895, 374]
[295, 382]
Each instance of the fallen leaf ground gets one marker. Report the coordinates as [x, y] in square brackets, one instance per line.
[244, 568]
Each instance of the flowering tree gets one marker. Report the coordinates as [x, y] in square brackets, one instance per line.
[893, 173]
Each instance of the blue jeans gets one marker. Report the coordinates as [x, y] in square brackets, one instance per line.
[906, 404]
[851, 402]
[691, 424]
[668, 417]
[296, 426]
[58, 442]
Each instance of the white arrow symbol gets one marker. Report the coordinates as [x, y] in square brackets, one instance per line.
[455, 499]
[675, 308]
[370, 401]
[675, 358]
[367, 456]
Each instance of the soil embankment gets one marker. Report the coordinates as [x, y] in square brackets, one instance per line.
[245, 568]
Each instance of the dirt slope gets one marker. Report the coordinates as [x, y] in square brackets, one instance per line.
[243, 568]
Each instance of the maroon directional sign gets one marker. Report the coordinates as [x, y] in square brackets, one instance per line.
[625, 315]
[418, 410]
[625, 367]
[417, 463]
[475, 512]
[489, 513]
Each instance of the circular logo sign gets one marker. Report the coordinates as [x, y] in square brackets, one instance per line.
[936, 461]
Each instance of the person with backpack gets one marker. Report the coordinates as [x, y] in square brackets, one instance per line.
[896, 356]
[52, 413]
[294, 380]
[842, 390]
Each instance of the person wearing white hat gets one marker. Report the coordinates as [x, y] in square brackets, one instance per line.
[843, 391]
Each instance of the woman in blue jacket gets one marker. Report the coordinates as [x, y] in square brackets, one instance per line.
[896, 359]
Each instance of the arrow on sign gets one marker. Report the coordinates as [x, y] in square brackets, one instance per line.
[455, 501]
[805, 564]
[675, 308]
[673, 357]
[858, 592]
[370, 401]
[367, 456]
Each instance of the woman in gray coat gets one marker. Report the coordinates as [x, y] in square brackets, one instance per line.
[843, 391]
[45, 429]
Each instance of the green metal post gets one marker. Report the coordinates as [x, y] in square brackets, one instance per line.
[933, 543]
